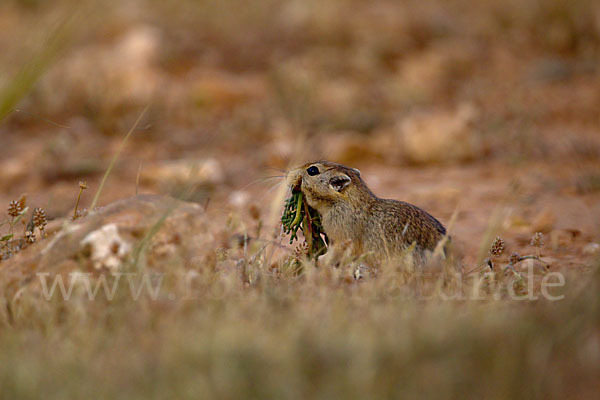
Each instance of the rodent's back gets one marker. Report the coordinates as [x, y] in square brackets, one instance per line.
[395, 225]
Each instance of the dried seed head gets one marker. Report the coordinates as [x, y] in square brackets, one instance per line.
[82, 185]
[300, 251]
[514, 258]
[29, 237]
[537, 240]
[497, 247]
[39, 218]
[14, 208]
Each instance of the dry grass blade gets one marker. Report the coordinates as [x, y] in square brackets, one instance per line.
[49, 51]
[116, 157]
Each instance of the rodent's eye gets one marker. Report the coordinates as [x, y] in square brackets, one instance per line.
[312, 171]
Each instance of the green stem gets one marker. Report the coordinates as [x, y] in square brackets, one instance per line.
[298, 217]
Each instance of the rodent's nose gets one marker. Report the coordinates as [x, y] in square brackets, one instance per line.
[297, 186]
[294, 179]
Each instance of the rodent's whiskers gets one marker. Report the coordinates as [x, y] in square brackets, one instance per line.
[275, 186]
[269, 177]
[278, 169]
[260, 180]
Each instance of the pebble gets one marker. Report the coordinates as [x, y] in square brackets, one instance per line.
[591, 249]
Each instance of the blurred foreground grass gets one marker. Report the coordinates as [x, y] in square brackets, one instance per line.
[301, 337]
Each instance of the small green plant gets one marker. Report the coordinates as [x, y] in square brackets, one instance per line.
[297, 214]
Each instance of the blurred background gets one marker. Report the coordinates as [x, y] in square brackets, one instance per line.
[486, 110]
[453, 105]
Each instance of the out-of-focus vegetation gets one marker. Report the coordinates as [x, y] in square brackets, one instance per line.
[488, 108]
[297, 338]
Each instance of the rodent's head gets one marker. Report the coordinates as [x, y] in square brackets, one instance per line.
[325, 183]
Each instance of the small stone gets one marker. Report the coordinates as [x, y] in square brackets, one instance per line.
[429, 73]
[591, 249]
[239, 198]
[107, 248]
[184, 172]
[218, 90]
[348, 147]
[441, 137]
[108, 76]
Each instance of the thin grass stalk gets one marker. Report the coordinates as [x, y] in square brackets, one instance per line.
[116, 157]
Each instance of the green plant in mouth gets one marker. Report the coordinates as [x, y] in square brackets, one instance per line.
[297, 214]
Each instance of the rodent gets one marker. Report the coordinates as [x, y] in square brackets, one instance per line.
[352, 215]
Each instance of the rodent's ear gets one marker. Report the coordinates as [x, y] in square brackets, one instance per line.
[339, 182]
[356, 171]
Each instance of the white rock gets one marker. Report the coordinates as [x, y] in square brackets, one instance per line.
[184, 171]
[239, 198]
[440, 136]
[107, 248]
[591, 249]
[105, 76]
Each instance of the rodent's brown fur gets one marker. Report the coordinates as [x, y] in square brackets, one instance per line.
[352, 214]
